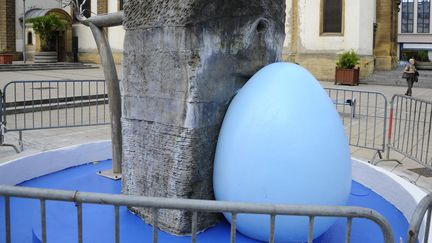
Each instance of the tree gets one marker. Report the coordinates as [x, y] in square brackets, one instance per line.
[46, 27]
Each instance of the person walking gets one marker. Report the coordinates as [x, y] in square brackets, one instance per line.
[410, 74]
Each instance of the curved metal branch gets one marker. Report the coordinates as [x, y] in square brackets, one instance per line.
[111, 78]
[107, 20]
[96, 23]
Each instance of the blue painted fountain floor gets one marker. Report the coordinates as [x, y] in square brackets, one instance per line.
[98, 221]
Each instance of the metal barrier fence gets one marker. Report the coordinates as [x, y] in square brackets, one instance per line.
[3, 126]
[364, 115]
[31, 105]
[424, 206]
[410, 129]
[195, 206]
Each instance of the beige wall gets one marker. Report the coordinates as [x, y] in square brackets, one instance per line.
[93, 57]
[357, 29]
[7, 26]
[305, 45]
[385, 50]
[319, 53]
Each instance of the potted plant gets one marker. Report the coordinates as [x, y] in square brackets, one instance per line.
[47, 27]
[5, 57]
[347, 71]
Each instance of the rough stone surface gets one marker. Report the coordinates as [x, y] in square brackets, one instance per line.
[7, 26]
[183, 62]
[385, 50]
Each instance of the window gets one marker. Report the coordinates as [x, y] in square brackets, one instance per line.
[86, 7]
[423, 14]
[407, 16]
[29, 38]
[332, 16]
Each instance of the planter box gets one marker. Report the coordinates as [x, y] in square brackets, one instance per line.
[6, 58]
[347, 76]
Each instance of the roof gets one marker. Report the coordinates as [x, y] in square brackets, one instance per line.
[37, 12]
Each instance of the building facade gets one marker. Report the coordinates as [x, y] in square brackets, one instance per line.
[7, 26]
[87, 49]
[317, 31]
[415, 36]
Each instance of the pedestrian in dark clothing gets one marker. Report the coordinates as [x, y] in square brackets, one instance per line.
[410, 74]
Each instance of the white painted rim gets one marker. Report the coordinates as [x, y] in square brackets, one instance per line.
[29, 167]
[402, 194]
[396, 190]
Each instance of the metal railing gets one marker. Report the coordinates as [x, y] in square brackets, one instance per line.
[31, 105]
[364, 115]
[3, 126]
[195, 206]
[425, 206]
[410, 129]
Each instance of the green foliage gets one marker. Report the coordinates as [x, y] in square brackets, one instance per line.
[418, 55]
[422, 56]
[348, 60]
[46, 27]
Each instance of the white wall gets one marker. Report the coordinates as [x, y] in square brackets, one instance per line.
[358, 28]
[115, 34]
[86, 42]
[30, 4]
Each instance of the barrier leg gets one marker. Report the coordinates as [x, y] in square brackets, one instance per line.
[389, 137]
[20, 141]
[2, 144]
[377, 153]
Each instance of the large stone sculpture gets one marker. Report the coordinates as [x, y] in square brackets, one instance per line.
[183, 62]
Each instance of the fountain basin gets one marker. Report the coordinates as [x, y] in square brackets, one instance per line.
[372, 187]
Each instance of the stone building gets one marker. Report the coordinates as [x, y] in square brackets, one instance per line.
[11, 32]
[318, 30]
[7, 26]
[63, 38]
[11, 23]
[414, 28]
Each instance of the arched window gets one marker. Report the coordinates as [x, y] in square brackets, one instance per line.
[407, 16]
[423, 15]
[331, 16]
[29, 38]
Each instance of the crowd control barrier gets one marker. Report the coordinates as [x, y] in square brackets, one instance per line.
[364, 115]
[410, 129]
[31, 105]
[194, 206]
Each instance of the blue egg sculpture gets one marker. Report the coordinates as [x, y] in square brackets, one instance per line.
[282, 142]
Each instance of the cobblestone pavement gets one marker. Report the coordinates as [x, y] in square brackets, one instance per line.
[404, 169]
[41, 140]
